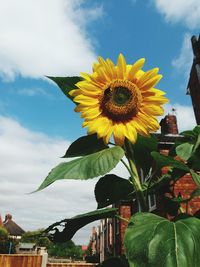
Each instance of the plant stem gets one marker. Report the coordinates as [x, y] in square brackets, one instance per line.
[122, 219]
[135, 177]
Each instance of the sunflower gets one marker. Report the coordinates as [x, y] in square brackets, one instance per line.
[119, 100]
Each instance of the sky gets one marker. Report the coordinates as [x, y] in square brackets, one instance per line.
[63, 38]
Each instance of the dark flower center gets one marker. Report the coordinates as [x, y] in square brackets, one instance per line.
[120, 101]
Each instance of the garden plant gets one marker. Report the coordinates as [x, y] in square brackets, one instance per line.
[120, 105]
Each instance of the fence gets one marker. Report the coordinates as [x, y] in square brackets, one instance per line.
[18, 260]
[71, 265]
[23, 260]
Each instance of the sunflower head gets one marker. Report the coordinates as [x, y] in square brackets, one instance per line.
[119, 100]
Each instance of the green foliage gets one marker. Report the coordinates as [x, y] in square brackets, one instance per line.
[37, 238]
[66, 250]
[4, 236]
[72, 225]
[184, 150]
[66, 84]
[84, 146]
[87, 167]
[150, 240]
[111, 189]
[154, 241]
[163, 161]
[195, 177]
[142, 152]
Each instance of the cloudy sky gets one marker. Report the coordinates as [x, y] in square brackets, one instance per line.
[63, 38]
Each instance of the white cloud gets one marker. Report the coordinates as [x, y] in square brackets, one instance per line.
[184, 11]
[185, 116]
[26, 159]
[33, 92]
[45, 37]
[183, 62]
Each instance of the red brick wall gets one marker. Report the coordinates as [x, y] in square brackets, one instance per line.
[125, 212]
[186, 186]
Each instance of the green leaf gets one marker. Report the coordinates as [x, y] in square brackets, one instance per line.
[194, 160]
[72, 225]
[170, 206]
[66, 84]
[195, 193]
[195, 177]
[162, 161]
[85, 145]
[159, 183]
[142, 152]
[87, 167]
[110, 189]
[188, 134]
[196, 130]
[153, 241]
[176, 174]
[185, 150]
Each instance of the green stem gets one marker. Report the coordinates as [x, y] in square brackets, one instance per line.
[135, 177]
[122, 219]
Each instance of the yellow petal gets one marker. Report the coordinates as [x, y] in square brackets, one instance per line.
[105, 128]
[91, 113]
[153, 110]
[107, 137]
[148, 120]
[74, 92]
[95, 66]
[95, 125]
[119, 134]
[147, 76]
[155, 100]
[152, 92]
[140, 127]
[135, 68]
[86, 100]
[121, 66]
[103, 74]
[151, 82]
[130, 132]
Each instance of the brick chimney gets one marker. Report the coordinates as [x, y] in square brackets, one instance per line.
[169, 125]
[8, 217]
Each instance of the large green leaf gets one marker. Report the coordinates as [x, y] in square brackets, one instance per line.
[85, 145]
[66, 84]
[185, 150]
[162, 161]
[72, 225]
[153, 241]
[142, 152]
[194, 160]
[110, 189]
[195, 177]
[87, 167]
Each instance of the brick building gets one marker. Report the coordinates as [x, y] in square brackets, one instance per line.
[110, 233]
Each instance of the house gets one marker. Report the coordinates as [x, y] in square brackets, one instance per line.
[14, 230]
[110, 233]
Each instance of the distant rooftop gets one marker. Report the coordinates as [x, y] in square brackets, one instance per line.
[12, 228]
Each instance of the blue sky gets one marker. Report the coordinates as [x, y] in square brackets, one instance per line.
[63, 38]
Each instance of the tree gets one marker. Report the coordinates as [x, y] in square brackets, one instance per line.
[37, 238]
[3, 234]
[66, 250]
